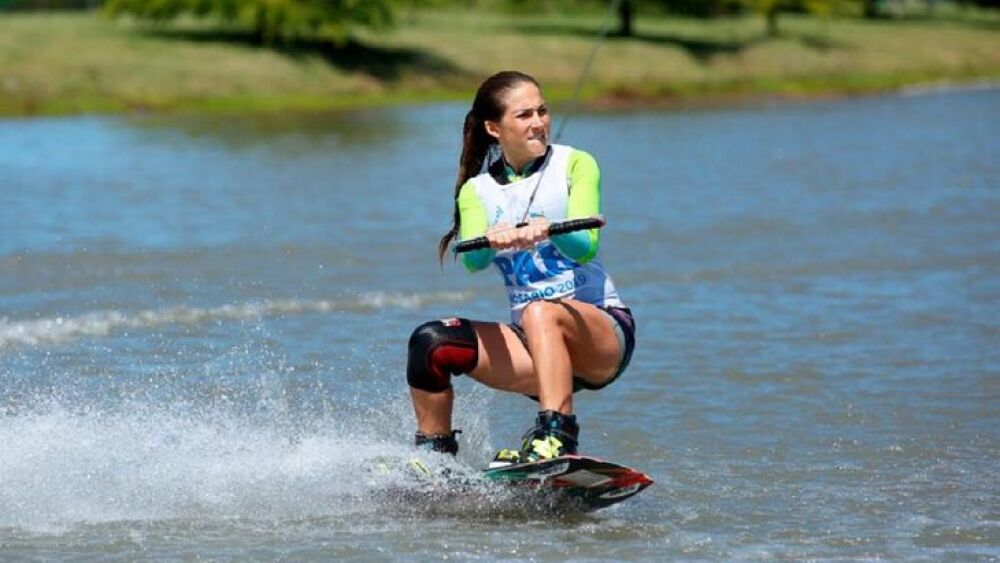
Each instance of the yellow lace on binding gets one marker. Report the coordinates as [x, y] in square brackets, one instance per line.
[419, 467]
[512, 456]
[545, 448]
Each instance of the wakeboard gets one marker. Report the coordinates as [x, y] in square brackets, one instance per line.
[591, 482]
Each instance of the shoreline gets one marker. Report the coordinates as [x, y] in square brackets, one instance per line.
[756, 99]
[595, 104]
[89, 65]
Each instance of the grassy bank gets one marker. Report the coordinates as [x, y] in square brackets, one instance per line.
[71, 63]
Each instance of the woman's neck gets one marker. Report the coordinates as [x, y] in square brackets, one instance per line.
[518, 166]
[522, 166]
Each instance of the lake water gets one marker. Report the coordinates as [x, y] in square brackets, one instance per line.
[203, 325]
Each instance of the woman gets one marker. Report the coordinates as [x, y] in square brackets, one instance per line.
[570, 330]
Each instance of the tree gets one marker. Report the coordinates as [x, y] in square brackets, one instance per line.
[703, 8]
[41, 5]
[771, 9]
[715, 8]
[270, 21]
[700, 8]
[625, 19]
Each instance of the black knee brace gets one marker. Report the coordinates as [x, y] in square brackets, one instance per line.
[438, 350]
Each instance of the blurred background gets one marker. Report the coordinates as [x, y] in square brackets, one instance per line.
[258, 55]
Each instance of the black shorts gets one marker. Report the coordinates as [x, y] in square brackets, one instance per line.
[624, 325]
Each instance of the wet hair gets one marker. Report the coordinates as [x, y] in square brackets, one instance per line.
[476, 142]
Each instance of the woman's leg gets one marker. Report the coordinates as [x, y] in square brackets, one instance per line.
[433, 410]
[436, 351]
[568, 338]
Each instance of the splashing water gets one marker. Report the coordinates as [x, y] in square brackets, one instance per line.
[67, 465]
[103, 323]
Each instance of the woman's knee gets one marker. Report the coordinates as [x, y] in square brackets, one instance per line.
[438, 350]
[541, 315]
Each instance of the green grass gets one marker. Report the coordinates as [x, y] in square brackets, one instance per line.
[73, 63]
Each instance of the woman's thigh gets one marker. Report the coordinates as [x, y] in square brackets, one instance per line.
[504, 362]
[591, 340]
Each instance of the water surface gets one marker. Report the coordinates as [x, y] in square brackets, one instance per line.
[203, 325]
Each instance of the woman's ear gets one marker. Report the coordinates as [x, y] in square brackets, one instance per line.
[492, 129]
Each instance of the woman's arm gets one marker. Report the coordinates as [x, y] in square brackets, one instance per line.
[584, 201]
[473, 223]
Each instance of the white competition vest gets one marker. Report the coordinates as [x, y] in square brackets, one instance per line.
[542, 272]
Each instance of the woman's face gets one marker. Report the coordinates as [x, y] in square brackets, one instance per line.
[523, 130]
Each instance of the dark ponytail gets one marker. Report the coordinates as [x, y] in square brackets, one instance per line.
[487, 106]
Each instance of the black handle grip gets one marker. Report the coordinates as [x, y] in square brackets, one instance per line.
[554, 229]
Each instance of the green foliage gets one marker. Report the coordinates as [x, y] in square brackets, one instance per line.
[703, 8]
[40, 5]
[772, 8]
[715, 8]
[819, 7]
[271, 21]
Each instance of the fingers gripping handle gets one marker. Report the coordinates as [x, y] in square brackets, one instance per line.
[554, 229]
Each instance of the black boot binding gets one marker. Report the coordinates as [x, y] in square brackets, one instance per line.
[440, 443]
[554, 434]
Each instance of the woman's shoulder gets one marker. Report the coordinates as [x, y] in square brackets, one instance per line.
[468, 189]
[575, 154]
[569, 149]
[580, 160]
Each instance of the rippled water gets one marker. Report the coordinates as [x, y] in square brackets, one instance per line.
[203, 326]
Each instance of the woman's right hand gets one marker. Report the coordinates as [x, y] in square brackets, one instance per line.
[503, 236]
[500, 236]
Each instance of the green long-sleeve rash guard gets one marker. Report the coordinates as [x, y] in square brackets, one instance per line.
[584, 201]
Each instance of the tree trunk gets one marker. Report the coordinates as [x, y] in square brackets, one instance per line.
[772, 21]
[625, 18]
[871, 9]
